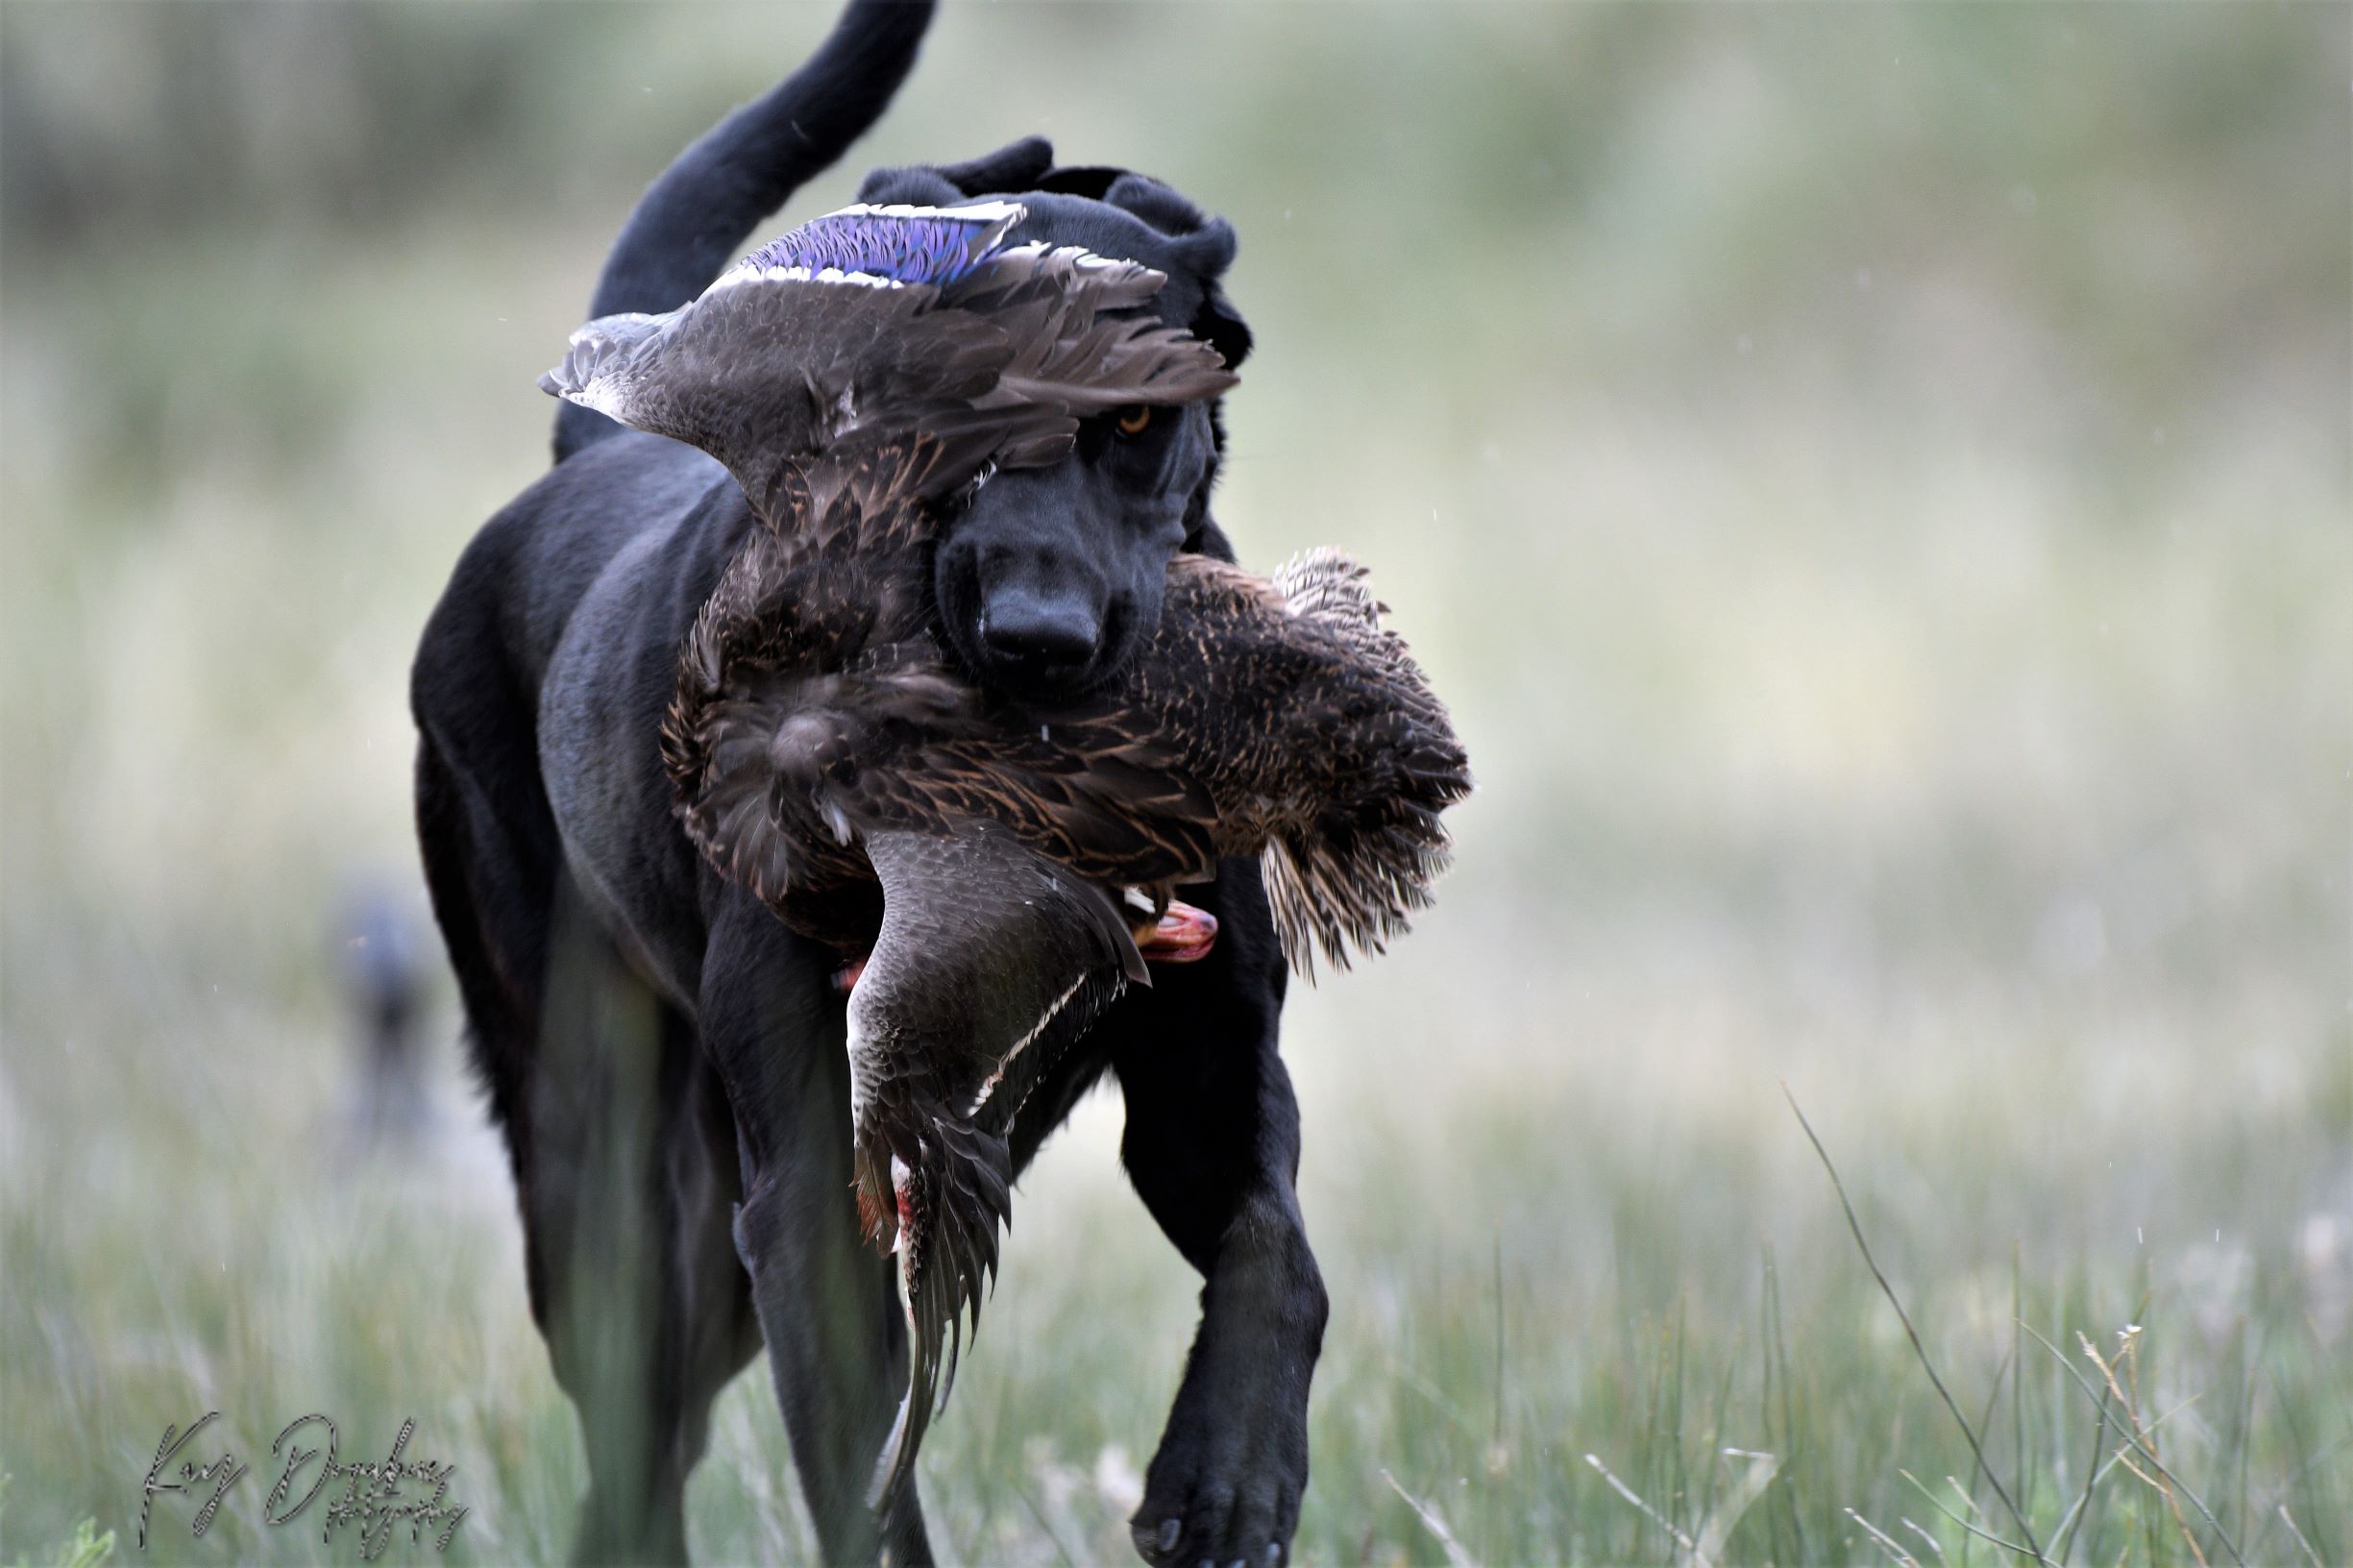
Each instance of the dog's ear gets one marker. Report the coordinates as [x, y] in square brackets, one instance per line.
[1014, 166]
[1219, 325]
[913, 186]
[1203, 245]
[1017, 165]
[1157, 204]
[1207, 251]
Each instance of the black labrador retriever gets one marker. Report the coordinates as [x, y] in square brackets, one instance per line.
[667, 1060]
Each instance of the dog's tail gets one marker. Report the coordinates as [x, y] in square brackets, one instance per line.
[690, 220]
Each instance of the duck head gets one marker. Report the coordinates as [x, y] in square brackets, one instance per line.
[1048, 579]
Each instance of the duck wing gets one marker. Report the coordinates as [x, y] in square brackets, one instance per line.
[763, 371]
[991, 960]
[881, 320]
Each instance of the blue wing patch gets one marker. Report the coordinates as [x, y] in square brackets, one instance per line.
[883, 245]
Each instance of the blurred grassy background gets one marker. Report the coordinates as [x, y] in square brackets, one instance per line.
[1877, 485]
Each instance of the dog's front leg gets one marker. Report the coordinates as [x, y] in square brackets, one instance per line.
[1213, 1146]
[828, 1305]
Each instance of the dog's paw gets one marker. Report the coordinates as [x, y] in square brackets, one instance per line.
[1223, 1494]
[1224, 1487]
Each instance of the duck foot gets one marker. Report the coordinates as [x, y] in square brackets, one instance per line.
[1184, 935]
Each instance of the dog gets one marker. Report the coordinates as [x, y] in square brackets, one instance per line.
[667, 1060]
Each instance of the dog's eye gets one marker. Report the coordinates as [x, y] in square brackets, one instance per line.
[1132, 419]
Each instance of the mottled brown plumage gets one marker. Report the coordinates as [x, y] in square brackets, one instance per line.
[828, 756]
[1274, 715]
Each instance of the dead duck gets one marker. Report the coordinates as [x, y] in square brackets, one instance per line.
[992, 859]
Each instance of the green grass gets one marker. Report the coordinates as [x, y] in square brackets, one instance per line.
[1871, 484]
[1635, 1266]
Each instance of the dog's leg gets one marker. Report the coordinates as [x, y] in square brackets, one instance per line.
[1213, 1146]
[827, 1304]
[625, 1221]
[630, 1186]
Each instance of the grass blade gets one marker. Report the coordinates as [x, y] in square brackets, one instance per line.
[2083, 1382]
[1888, 1290]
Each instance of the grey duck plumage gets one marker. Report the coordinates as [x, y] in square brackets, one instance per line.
[891, 318]
[828, 755]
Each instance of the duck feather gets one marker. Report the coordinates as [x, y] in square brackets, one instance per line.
[990, 960]
[994, 351]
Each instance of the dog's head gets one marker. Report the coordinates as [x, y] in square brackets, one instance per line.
[1050, 578]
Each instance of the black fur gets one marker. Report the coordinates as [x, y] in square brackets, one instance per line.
[667, 1060]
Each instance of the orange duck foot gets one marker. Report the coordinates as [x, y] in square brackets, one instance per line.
[1184, 935]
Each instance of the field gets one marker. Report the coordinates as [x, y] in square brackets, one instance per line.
[1875, 486]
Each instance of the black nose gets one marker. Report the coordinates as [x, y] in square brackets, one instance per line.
[1038, 630]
